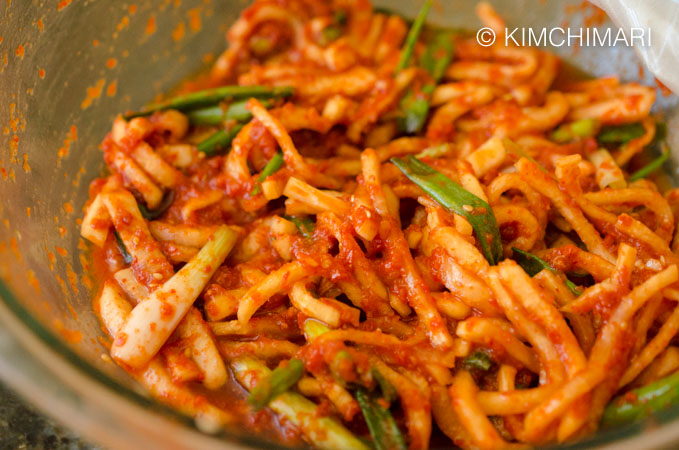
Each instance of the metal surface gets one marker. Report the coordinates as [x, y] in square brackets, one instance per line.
[66, 69]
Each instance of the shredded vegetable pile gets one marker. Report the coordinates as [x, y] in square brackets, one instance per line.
[360, 232]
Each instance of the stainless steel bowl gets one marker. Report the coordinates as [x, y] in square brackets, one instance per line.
[66, 69]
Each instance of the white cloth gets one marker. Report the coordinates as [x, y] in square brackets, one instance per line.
[662, 17]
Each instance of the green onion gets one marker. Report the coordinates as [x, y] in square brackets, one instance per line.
[413, 36]
[215, 115]
[650, 167]
[333, 31]
[479, 360]
[438, 55]
[218, 141]
[415, 109]
[458, 200]
[304, 224]
[533, 264]
[321, 432]
[383, 10]
[121, 247]
[578, 129]
[414, 112]
[388, 390]
[280, 380]
[660, 133]
[329, 34]
[211, 97]
[620, 134]
[261, 46]
[313, 328]
[340, 17]
[274, 164]
[152, 214]
[639, 403]
[239, 112]
[436, 151]
[382, 426]
[341, 361]
[212, 115]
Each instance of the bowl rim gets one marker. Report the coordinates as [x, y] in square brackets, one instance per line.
[131, 408]
[152, 424]
[139, 421]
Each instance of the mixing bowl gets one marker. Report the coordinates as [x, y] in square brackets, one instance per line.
[66, 69]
